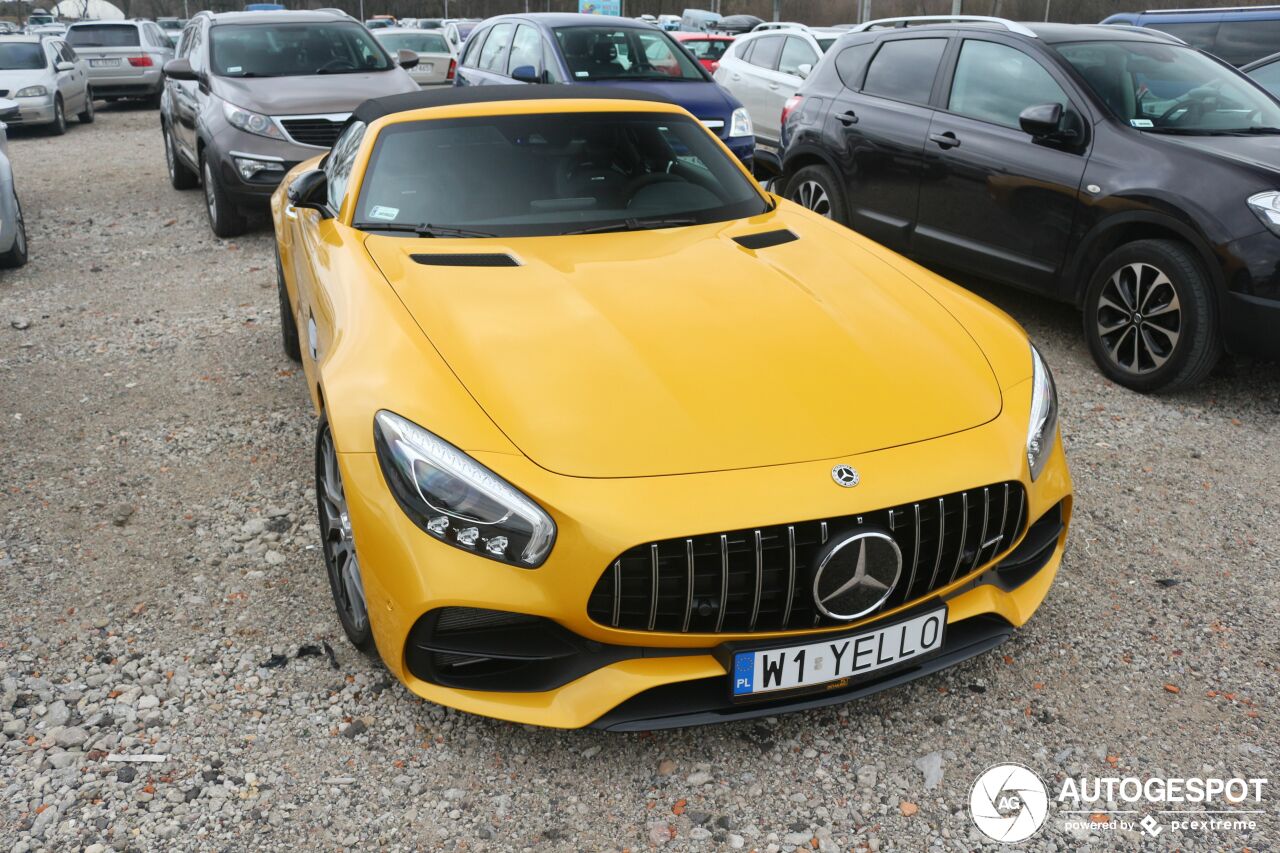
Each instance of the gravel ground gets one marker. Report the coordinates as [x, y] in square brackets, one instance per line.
[161, 593]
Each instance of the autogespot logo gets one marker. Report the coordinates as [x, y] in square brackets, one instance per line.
[1008, 803]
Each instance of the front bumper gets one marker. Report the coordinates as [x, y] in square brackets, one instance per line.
[33, 111]
[255, 192]
[664, 679]
[1251, 307]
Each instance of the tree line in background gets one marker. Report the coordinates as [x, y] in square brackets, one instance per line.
[815, 12]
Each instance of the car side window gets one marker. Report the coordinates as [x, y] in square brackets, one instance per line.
[341, 161]
[472, 49]
[550, 64]
[526, 50]
[495, 48]
[195, 56]
[1268, 76]
[796, 52]
[67, 53]
[851, 62]
[995, 83]
[743, 51]
[766, 53]
[904, 69]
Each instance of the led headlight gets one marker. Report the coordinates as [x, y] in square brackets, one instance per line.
[1043, 426]
[456, 499]
[1267, 207]
[31, 92]
[740, 124]
[251, 122]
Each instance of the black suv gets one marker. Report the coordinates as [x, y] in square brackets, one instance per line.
[1112, 167]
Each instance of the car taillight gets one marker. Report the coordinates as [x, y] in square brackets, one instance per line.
[714, 66]
[453, 66]
[140, 61]
[789, 107]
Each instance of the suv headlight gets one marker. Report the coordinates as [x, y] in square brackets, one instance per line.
[1267, 207]
[251, 122]
[456, 499]
[740, 124]
[31, 92]
[1043, 426]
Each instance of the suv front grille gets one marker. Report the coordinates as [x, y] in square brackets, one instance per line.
[759, 579]
[321, 131]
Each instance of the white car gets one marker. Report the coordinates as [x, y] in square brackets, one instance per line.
[47, 79]
[765, 67]
[437, 62]
[456, 32]
[125, 58]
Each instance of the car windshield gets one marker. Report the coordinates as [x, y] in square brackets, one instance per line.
[21, 56]
[1165, 88]
[464, 30]
[624, 53]
[707, 48]
[103, 35]
[554, 173]
[417, 42]
[290, 50]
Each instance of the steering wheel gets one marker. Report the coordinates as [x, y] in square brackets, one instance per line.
[340, 63]
[651, 178]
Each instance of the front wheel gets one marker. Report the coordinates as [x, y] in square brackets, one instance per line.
[816, 188]
[17, 254]
[86, 115]
[59, 125]
[1150, 319]
[224, 218]
[337, 544]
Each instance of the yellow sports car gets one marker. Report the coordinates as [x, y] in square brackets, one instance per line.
[610, 436]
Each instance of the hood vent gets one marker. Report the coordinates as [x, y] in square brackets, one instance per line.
[466, 259]
[765, 239]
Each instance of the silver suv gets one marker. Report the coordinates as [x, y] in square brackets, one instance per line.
[125, 58]
[252, 94]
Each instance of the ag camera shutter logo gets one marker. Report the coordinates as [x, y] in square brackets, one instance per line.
[1008, 803]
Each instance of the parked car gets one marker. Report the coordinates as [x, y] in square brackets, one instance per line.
[436, 62]
[172, 28]
[658, 558]
[252, 93]
[13, 228]
[380, 22]
[456, 33]
[1239, 35]
[614, 52]
[1118, 170]
[47, 79]
[736, 25]
[698, 21]
[706, 48]
[762, 70]
[670, 23]
[126, 58]
[54, 30]
[1266, 73]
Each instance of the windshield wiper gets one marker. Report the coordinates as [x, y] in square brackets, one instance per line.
[1259, 131]
[635, 225]
[424, 230]
[1178, 131]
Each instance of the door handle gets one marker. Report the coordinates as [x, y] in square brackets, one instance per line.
[290, 211]
[736, 77]
[847, 118]
[944, 140]
[773, 87]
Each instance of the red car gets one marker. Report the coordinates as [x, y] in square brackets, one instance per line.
[705, 48]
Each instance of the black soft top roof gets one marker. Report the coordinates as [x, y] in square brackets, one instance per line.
[376, 108]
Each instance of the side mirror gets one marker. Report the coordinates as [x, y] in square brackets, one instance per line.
[804, 69]
[525, 74]
[406, 58]
[179, 69]
[65, 66]
[310, 191]
[1041, 121]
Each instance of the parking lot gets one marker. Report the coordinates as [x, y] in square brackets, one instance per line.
[162, 595]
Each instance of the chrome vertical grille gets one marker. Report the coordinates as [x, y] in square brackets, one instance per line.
[759, 579]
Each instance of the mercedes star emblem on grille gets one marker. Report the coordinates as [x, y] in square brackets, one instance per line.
[857, 574]
[845, 475]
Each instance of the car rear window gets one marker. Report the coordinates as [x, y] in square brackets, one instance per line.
[707, 48]
[904, 69]
[1242, 42]
[103, 35]
[424, 42]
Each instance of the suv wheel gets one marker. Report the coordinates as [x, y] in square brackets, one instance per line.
[17, 254]
[59, 125]
[86, 116]
[224, 218]
[1149, 317]
[288, 323]
[816, 188]
[180, 177]
[337, 544]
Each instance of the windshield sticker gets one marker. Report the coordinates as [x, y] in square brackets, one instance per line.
[234, 69]
[1142, 122]
[582, 74]
[381, 212]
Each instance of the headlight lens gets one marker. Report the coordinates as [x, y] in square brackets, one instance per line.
[251, 122]
[457, 500]
[740, 124]
[31, 92]
[1043, 427]
[1267, 207]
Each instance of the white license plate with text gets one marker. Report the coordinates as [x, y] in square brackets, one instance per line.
[103, 63]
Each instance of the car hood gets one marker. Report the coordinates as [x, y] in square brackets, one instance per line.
[15, 80]
[679, 351]
[312, 94]
[704, 99]
[1259, 152]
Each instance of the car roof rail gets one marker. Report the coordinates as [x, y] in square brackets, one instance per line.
[333, 11]
[1210, 9]
[1150, 31]
[910, 20]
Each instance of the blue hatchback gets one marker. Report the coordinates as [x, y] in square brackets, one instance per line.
[603, 51]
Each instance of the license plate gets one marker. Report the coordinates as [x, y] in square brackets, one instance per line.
[426, 69]
[838, 659]
[103, 63]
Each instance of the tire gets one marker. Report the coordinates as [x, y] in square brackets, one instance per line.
[1150, 317]
[224, 218]
[816, 188]
[17, 254]
[288, 323]
[86, 117]
[180, 176]
[337, 546]
[59, 125]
